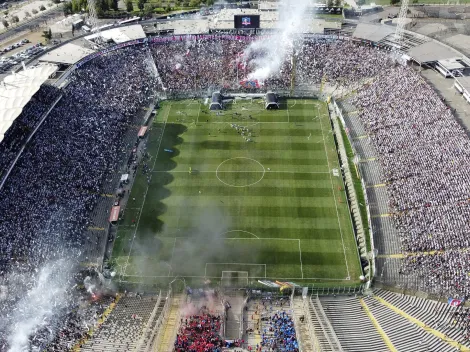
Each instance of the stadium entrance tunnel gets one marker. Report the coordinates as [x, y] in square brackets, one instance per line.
[240, 172]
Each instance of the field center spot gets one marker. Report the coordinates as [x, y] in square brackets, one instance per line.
[240, 172]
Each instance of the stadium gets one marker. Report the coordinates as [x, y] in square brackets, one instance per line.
[249, 180]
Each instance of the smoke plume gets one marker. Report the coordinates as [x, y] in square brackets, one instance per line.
[269, 54]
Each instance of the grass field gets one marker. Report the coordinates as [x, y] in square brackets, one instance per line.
[266, 208]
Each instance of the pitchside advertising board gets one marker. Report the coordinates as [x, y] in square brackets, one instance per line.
[246, 21]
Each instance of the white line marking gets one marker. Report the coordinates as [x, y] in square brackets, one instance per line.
[172, 254]
[266, 171]
[248, 232]
[334, 197]
[124, 267]
[240, 157]
[251, 277]
[301, 266]
[205, 270]
[198, 112]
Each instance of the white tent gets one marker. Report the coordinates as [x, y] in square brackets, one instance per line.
[16, 91]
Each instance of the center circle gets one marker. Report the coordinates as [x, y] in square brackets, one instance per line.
[240, 172]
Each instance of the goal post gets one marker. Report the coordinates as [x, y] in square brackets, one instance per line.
[234, 278]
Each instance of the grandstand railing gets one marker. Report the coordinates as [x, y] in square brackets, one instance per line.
[148, 326]
[312, 332]
[354, 211]
[157, 333]
[371, 234]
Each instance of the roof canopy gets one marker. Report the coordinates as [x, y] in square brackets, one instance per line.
[16, 91]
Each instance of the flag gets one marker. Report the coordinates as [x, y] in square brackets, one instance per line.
[454, 302]
[250, 84]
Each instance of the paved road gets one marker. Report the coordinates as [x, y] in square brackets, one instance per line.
[33, 23]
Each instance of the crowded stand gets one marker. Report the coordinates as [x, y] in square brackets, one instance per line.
[200, 333]
[57, 181]
[425, 155]
[19, 131]
[56, 184]
[279, 333]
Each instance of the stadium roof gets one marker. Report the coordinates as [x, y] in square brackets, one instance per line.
[16, 91]
[372, 32]
[66, 54]
[121, 34]
[432, 51]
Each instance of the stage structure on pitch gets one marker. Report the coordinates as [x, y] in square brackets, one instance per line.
[271, 101]
[217, 103]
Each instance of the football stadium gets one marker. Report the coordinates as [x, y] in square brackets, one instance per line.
[283, 176]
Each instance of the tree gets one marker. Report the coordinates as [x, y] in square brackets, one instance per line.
[15, 19]
[141, 4]
[56, 1]
[34, 11]
[394, 2]
[41, 8]
[129, 6]
[27, 14]
[47, 34]
[194, 3]
[329, 3]
[5, 23]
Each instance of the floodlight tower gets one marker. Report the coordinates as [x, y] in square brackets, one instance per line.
[401, 21]
[93, 20]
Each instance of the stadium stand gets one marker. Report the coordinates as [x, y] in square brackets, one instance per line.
[122, 330]
[347, 317]
[411, 150]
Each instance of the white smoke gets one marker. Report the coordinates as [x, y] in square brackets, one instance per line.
[46, 295]
[270, 53]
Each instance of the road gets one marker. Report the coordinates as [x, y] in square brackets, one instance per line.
[33, 23]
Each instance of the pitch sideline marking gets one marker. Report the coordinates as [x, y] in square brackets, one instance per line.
[333, 191]
[240, 157]
[124, 267]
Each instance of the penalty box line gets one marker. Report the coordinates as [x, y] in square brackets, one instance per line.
[248, 238]
[252, 264]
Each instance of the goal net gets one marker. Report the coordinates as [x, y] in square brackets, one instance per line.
[234, 278]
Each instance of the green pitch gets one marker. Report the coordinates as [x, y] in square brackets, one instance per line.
[261, 199]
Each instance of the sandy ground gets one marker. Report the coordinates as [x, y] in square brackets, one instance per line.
[21, 9]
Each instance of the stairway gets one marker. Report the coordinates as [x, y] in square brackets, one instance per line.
[304, 333]
[171, 325]
[322, 328]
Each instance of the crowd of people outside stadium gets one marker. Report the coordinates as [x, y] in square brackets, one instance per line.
[55, 185]
[425, 155]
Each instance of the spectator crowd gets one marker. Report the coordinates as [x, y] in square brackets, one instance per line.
[425, 156]
[48, 198]
[200, 333]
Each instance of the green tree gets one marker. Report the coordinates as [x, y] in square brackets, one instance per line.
[47, 34]
[27, 14]
[141, 4]
[194, 3]
[5, 23]
[129, 6]
[67, 9]
[34, 11]
[15, 19]
[41, 8]
[148, 10]
[394, 2]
